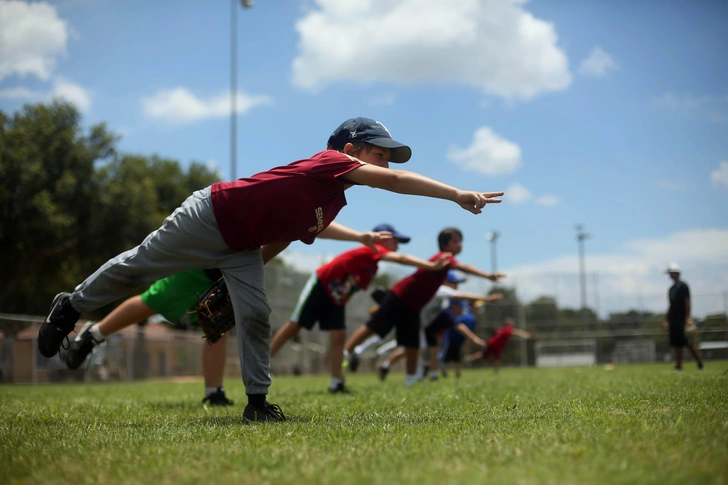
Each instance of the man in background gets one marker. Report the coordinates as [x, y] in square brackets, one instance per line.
[678, 317]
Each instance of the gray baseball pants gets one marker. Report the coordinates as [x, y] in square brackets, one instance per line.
[190, 239]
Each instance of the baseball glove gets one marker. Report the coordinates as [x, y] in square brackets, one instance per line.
[215, 311]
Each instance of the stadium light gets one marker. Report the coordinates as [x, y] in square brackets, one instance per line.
[580, 237]
[234, 83]
[493, 237]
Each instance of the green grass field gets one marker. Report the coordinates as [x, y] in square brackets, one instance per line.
[633, 424]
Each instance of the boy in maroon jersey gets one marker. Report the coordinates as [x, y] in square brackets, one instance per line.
[494, 346]
[401, 306]
[326, 293]
[235, 226]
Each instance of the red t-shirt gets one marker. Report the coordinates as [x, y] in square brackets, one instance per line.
[350, 272]
[497, 342]
[419, 287]
[287, 203]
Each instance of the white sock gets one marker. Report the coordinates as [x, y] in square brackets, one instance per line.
[346, 355]
[411, 379]
[96, 333]
[212, 390]
[335, 382]
[359, 349]
[433, 373]
[385, 364]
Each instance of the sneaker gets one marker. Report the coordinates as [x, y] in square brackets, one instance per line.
[57, 325]
[339, 389]
[217, 398]
[353, 362]
[80, 347]
[266, 412]
[383, 371]
[433, 377]
[701, 366]
[677, 369]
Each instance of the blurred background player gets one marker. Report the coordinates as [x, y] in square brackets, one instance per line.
[326, 293]
[451, 351]
[400, 309]
[495, 344]
[678, 317]
[175, 298]
[438, 316]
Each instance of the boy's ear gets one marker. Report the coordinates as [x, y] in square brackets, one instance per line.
[348, 148]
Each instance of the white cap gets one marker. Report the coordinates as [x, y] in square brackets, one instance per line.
[673, 268]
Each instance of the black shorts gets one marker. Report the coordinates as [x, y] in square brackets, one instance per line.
[677, 334]
[393, 314]
[434, 331]
[314, 305]
[453, 353]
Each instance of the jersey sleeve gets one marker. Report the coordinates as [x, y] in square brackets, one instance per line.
[332, 164]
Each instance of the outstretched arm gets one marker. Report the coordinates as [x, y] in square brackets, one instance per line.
[404, 182]
[473, 297]
[470, 269]
[464, 330]
[417, 262]
[521, 333]
[342, 233]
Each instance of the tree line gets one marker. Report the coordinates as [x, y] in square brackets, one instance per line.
[70, 200]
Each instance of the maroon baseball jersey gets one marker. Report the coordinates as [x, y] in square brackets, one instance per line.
[498, 342]
[419, 287]
[350, 272]
[287, 203]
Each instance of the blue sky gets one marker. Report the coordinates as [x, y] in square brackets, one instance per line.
[610, 114]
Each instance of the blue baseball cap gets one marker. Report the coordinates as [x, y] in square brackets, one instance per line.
[397, 235]
[454, 277]
[370, 131]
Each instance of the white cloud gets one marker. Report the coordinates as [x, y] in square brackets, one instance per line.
[386, 99]
[62, 88]
[489, 153]
[32, 36]
[517, 194]
[548, 200]
[719, 176]
[71, 92]
[179, 105]
[633, 275]
[493, 45]
[712, 108]
[597, 64]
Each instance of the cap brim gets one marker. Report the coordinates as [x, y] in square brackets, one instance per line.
[400, 153]
[401, 237]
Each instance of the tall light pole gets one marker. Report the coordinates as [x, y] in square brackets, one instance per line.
[493, 237]
[581, 236]
[234, 83]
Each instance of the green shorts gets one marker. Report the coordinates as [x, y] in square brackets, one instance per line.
[175, 296]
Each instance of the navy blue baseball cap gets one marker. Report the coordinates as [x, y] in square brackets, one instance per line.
[370, 131]
[397, 235]
[454, 277]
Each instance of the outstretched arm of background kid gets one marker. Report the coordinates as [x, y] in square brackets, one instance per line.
[400, 258]
[342, 233]
[464, 330]
[521, 333]
[467, 268]
[404, 182]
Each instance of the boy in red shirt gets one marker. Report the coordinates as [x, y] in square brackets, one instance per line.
[400, 309]
[494, 345]
[235, 225]
[326, 293]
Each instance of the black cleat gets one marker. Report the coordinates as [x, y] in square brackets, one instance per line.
[81, 347]
[265, 413]
[353, 362]
[58, 324]
[383, 371]
[339, 389]
[217, 398]
[701, 366]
